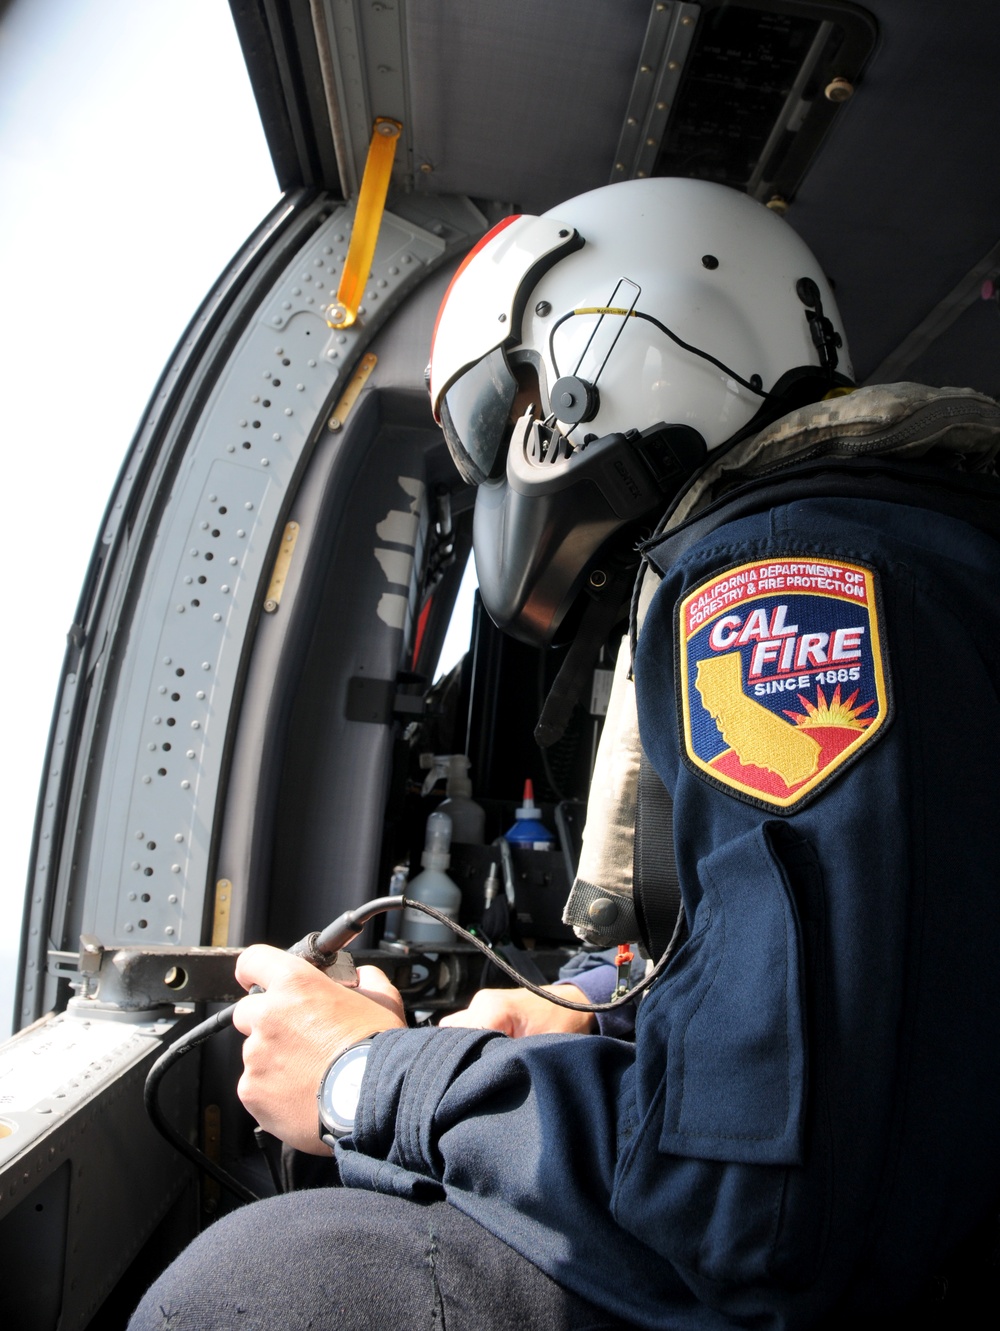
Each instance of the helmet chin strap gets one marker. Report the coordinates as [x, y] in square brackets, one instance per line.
[605, 607]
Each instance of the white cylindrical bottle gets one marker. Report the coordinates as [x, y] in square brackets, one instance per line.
[468, 819]
[433, 887]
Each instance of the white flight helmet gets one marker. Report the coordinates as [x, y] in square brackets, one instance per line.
[641, 325]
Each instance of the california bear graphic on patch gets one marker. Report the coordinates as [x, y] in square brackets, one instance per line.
[783, 678]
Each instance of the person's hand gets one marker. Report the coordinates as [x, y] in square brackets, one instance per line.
[295, 1029]
[520, 1012]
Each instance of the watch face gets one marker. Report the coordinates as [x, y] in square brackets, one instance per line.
[341, 1089]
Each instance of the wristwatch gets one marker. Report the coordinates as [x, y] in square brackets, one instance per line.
[340, 1090]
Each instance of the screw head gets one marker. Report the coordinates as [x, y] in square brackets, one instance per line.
[839, 90]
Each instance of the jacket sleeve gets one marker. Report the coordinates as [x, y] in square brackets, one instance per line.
[571, 1147]
[596, 975]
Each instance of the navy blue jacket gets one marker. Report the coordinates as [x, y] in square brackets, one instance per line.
[808, 1115]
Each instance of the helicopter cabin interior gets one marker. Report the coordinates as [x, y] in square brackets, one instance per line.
[251, 683]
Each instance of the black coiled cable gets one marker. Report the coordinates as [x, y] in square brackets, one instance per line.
[322, 948]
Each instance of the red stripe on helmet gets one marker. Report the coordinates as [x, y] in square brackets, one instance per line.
[479, 245]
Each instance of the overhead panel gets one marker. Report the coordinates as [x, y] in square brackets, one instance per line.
[741, 93]
[362, 57]
[518, 100]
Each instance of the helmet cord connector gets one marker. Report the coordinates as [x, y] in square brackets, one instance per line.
[753, 385]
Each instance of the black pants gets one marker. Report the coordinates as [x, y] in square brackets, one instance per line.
[338, 1259]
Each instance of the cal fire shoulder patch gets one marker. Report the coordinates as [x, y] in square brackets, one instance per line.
[782, 675]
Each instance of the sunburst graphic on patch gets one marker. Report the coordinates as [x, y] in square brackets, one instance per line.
[783, 676]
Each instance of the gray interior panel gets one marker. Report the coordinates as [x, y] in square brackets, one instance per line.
[518, 100]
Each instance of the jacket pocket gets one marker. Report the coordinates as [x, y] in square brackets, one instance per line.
[736, 1053]
[712, 1174]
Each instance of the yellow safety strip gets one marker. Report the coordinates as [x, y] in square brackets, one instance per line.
[367, 221]
[282, 564]
[352, 392]
[223, 905]
[601, 309]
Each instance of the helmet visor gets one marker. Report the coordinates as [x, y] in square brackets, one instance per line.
[482, 307]
[476, 417]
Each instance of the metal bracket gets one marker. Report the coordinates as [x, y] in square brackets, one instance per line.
[363, 60]
[137, 979]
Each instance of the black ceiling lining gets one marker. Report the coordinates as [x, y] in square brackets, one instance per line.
[935, 328]
[973, 340]
[901, 202]
[752, 108]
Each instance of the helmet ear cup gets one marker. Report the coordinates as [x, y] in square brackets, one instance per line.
[574, 400]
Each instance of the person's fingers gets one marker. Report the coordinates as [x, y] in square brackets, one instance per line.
[376, 985]
[261, 964]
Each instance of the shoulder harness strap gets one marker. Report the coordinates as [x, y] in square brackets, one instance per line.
[656, 887]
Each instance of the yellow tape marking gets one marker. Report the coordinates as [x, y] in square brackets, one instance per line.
[281, 566]
[220, 919]
[352, 392]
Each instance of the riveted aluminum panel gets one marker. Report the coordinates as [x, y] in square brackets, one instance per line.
[81, 1145]
[214, 546]
[165, 657]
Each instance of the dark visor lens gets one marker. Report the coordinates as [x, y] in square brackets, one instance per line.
[475, 416]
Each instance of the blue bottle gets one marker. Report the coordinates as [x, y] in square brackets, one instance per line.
[529, 830]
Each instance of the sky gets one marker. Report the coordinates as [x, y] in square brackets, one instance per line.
[132, 167]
